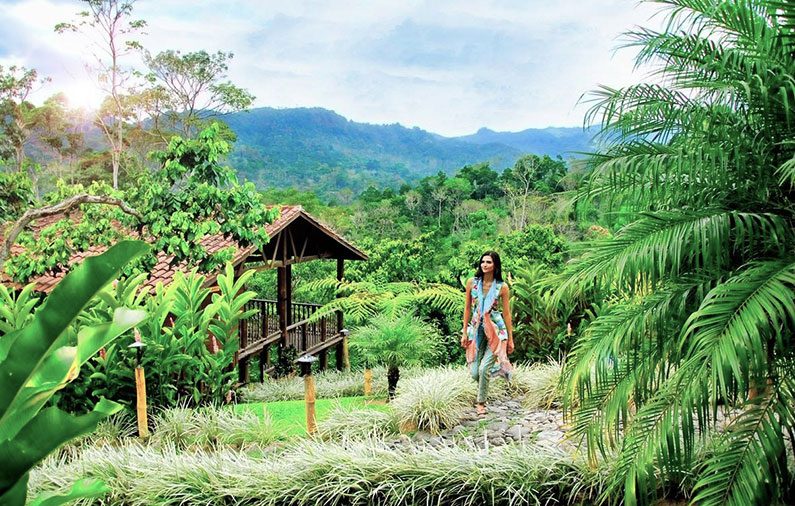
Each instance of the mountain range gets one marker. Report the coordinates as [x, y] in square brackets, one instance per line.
[315, 148]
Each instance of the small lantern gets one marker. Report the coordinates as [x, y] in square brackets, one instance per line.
[139, 352]
[306, 364]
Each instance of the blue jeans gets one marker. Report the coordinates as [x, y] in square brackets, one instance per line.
[481, 367]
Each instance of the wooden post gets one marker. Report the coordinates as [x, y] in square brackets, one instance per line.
[368, 382]
[281, 305]
[323, 354]
[140, 403]
[243, 365]
[309, 391]
[341, 351]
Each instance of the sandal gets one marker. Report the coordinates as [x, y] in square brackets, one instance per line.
[481, 410]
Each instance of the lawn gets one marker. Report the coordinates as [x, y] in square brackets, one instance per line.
[289, 417]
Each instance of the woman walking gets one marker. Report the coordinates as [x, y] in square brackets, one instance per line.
[487, 334]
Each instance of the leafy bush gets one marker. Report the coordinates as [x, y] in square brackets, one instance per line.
[190, 344]
[435, 400]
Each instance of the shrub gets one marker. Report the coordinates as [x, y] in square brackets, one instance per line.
[211, 427]
[435, 400]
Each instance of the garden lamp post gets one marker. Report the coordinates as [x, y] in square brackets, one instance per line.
[140, 387]
[309, 391]
[346, 359]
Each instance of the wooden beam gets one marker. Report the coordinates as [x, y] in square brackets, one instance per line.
[339, 356]
[281, 304]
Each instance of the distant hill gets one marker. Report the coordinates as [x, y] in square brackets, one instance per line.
[542, 141]
[319, 149]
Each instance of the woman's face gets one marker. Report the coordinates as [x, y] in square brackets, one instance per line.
[487, 264]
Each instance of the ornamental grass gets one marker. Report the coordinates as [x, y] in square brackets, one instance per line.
[316, 472]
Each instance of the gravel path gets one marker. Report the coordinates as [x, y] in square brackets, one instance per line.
[506, 422]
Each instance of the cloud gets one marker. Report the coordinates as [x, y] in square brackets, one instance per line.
[447, 66]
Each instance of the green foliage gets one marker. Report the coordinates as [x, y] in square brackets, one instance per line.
[539, 318]
[192, 89]
[362, 301]
[16, 195]
[190, 343]
[701, 281]
[394, 341]
[16, 309]
[37, 362]
[190, 197]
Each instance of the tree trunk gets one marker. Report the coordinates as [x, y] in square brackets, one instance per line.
[392, 376]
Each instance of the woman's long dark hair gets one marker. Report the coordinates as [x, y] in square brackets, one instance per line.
[495, 257]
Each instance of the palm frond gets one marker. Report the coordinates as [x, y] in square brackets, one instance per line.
[736, 322]
[666, 244]
[747, 466]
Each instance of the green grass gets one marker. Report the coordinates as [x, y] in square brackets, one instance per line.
[289, 417]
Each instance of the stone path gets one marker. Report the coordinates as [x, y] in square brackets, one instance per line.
[506, 422]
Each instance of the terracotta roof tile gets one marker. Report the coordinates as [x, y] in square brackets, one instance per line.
[164, 272]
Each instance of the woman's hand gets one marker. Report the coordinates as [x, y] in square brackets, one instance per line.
[464, 338]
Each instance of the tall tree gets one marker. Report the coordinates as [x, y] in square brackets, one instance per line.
[16, 84]
[109, 26]
[194, 88]
[702, 312]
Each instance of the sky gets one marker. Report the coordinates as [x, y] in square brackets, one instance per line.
[446, 66]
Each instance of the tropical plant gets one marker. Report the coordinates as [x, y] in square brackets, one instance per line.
[701, 315]
[37, 362]
[16, 308]
[190, 344]
[360, 301]
[394, 342]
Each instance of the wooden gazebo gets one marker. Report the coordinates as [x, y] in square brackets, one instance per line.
[296, 237]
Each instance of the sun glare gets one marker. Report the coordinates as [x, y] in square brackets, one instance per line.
[83, 96]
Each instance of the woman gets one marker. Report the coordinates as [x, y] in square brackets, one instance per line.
[488, 335]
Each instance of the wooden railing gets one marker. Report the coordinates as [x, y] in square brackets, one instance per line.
[262, 328]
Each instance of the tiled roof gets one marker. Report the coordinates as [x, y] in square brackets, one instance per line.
[164, 272]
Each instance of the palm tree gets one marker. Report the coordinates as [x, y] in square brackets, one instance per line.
[395, 342]
[702, 281]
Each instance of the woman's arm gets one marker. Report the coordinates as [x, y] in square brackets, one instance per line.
[506, 315]
[467, 312]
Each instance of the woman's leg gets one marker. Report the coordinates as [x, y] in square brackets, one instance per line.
[484, 373]
[474, 369]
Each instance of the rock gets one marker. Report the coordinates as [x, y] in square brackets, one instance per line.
[497, 441]
[514, 432]
[422, 437]
[550, 436]
[456, 430]
[498, 427]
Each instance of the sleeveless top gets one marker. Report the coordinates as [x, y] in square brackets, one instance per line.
[486, 314]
